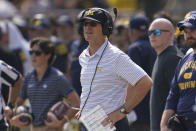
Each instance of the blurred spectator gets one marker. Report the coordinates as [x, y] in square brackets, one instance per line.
[40, 26]
[141, 52]
[121, 37]
[53, 28]
[75, 67]
[31, 7]
[21, 23]
[7, 9]
[62, 61]
[180, 41]
[16, 43]
[65, 30]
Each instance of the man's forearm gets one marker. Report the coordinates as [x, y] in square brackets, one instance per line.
[15, 90]
[74, 100]
[135, 94]
[165, 117]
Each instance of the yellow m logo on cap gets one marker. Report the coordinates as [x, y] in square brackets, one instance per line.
[90, 12]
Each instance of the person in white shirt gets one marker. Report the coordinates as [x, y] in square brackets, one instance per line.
[107, 72]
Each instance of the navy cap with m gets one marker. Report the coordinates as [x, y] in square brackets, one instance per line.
[189, 21]
[40, 21]
[139, 22]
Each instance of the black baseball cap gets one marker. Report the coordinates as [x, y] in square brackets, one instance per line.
[189, 21]
[139, 22]
[95, 14]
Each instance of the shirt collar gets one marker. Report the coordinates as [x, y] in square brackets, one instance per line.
[99, 51]
[46, 74]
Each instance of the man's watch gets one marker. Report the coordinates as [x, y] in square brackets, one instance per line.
[123, 110]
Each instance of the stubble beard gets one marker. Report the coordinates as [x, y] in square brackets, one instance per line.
[190, 44]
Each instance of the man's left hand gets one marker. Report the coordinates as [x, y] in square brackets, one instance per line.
[112, 118]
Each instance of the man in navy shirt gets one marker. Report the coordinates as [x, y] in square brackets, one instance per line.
[181, 99]
[141, 52]
[75, 67]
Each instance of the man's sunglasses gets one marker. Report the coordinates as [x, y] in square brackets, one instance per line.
[156, 32]
[92, 24]
[36, 52]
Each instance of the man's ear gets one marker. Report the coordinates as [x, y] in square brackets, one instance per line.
[171, 34]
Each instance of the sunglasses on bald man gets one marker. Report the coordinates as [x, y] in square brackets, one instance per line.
[156, 32]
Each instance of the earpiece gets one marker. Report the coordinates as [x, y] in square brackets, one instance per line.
[109, 24]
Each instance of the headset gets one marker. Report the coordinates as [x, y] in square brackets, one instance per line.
[108, 25]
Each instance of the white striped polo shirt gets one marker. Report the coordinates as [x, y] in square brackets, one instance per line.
[115, 70]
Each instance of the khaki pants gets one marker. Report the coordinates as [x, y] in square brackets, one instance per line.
[44, 128]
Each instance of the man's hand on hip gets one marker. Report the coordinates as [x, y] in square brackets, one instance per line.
[112, 118]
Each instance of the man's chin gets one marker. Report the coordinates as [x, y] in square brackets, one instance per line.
[193, 46]
[190, 45]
